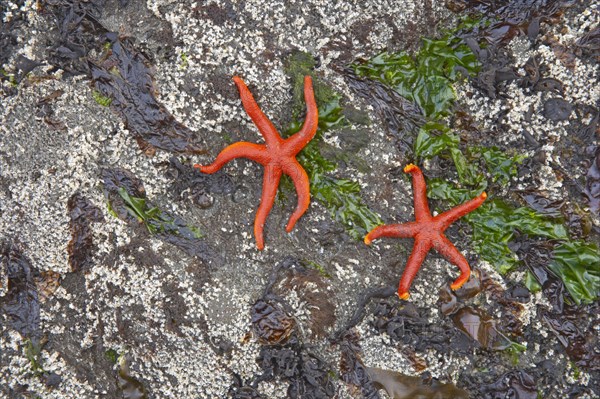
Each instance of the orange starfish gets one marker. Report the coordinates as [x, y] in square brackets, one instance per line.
[277, 155]
[428, 232]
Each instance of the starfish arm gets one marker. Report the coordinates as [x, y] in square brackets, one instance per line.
[449, 251]
[297, 141]
[302, 184]
[419, 192]
[264, 125]
[403, 230]
[270, 183]
[450, 216]
[416, 258]
[241, 149]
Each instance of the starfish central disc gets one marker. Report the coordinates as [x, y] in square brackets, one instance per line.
[428, 232]
[277, 155]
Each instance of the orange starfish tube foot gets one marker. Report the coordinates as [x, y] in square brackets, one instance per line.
[428, 232]
[277, 155]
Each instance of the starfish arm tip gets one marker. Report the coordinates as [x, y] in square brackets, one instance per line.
[460, 281]
[367, 240]
[483, 195]
[197, 166]
[410, 167]
[404, 295]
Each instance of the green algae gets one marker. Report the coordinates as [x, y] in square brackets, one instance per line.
[341, 196]
[101, 99]
[425, 77]
[578, 265]
[155, 220]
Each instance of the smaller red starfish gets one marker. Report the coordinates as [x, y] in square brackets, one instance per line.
[428, 232]
[277, 155]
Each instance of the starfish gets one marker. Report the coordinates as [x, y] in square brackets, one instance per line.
[277, 155]
[428, 232]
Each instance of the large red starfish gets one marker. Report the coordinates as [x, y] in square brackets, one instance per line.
[428, 232]
[277, 155]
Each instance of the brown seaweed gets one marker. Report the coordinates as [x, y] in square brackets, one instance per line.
[125, 76]
[81, 213]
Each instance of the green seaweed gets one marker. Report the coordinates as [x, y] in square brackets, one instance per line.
[184, 60]
[101, 99]
[435, 138]
[112, 356]
[496, 222]
[317, 267]
[501, 166]
[340, 196]
[578, 265]
[33, 354]
[426, 77]
[531, 282]
[155, 220]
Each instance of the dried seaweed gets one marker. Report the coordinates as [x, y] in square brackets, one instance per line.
[401, 386]
[352, 369]
[557, 109]
[503, 20]
[80, 249]
[270, 323]
[480, 326]
[308, 375]
[78, 33]
[283, 354]
[590, 42]
[21, 303]
[189, 184]
[124, 75]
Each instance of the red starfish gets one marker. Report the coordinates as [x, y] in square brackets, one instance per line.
[428, 232]
[277, 155]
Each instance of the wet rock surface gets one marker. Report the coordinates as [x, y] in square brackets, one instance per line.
[126, 273]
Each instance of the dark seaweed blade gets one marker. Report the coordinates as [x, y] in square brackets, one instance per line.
[20, 304]
[126, 78]
[82, 214]
[592, 184]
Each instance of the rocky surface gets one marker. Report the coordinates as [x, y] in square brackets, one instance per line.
[116, 309]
